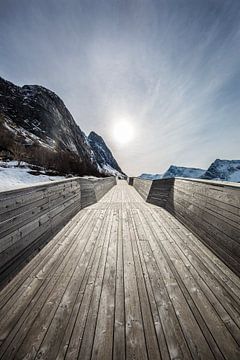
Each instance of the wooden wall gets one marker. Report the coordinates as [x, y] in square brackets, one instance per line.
[102, 186]
[93, 190]
[142, 187]
[210, 209]
[130, 180]
[31, 216]
[159, 192]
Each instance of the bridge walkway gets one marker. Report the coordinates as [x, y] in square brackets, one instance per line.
[122, 280]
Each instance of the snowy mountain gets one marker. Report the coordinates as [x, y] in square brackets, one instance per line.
[180, 171]
[175, 171]
[150, 176]
[224, 170]
[228, 170]
[40, 124]
[104, 155]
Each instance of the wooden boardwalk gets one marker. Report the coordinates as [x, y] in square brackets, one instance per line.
[122, 280]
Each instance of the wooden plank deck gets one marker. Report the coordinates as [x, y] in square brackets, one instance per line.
[122, 280]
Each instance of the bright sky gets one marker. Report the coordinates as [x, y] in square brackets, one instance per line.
[168, 69]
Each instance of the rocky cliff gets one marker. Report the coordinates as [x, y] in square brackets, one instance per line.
[38, 119]
[104, 155]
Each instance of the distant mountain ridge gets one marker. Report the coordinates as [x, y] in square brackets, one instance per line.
[150, 176]
[225, 170]
[181, 171]
[175, 171]
[38, 118]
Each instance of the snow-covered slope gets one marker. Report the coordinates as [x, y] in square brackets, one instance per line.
[228, 170]
[109, 170]
[13, 176]
[180, 171]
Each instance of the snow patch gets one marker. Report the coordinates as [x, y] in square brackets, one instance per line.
[13, 177]
[108, 170]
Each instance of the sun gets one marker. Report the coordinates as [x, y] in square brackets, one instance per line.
[123, 132]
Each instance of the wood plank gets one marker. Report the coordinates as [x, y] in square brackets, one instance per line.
[227, 308]
[147, 316]
[119, 311]
[213, 263]
[86, 285]
[185, 322]
[54, 316]
[37, 315]
[82, 337]
[123, 279]
[31, 269]
[157, 319]
[103, 337]
[218, 330]
[135, 337]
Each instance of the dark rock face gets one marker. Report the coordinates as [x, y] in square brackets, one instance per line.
[103, 154]
[228, 170]
[37, 111]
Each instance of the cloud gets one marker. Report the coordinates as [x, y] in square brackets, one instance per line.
[170, 66]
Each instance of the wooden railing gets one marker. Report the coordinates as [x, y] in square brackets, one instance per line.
[31, 216]
[210, 209]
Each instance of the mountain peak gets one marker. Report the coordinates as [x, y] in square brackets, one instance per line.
[95, 137]
[103, 154]
[228, 170]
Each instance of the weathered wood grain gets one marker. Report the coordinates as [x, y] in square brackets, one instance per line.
[124, 279]
[31, 216]
[210, 209]
[143, 187]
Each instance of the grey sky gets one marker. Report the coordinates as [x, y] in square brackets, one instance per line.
[171, 66]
